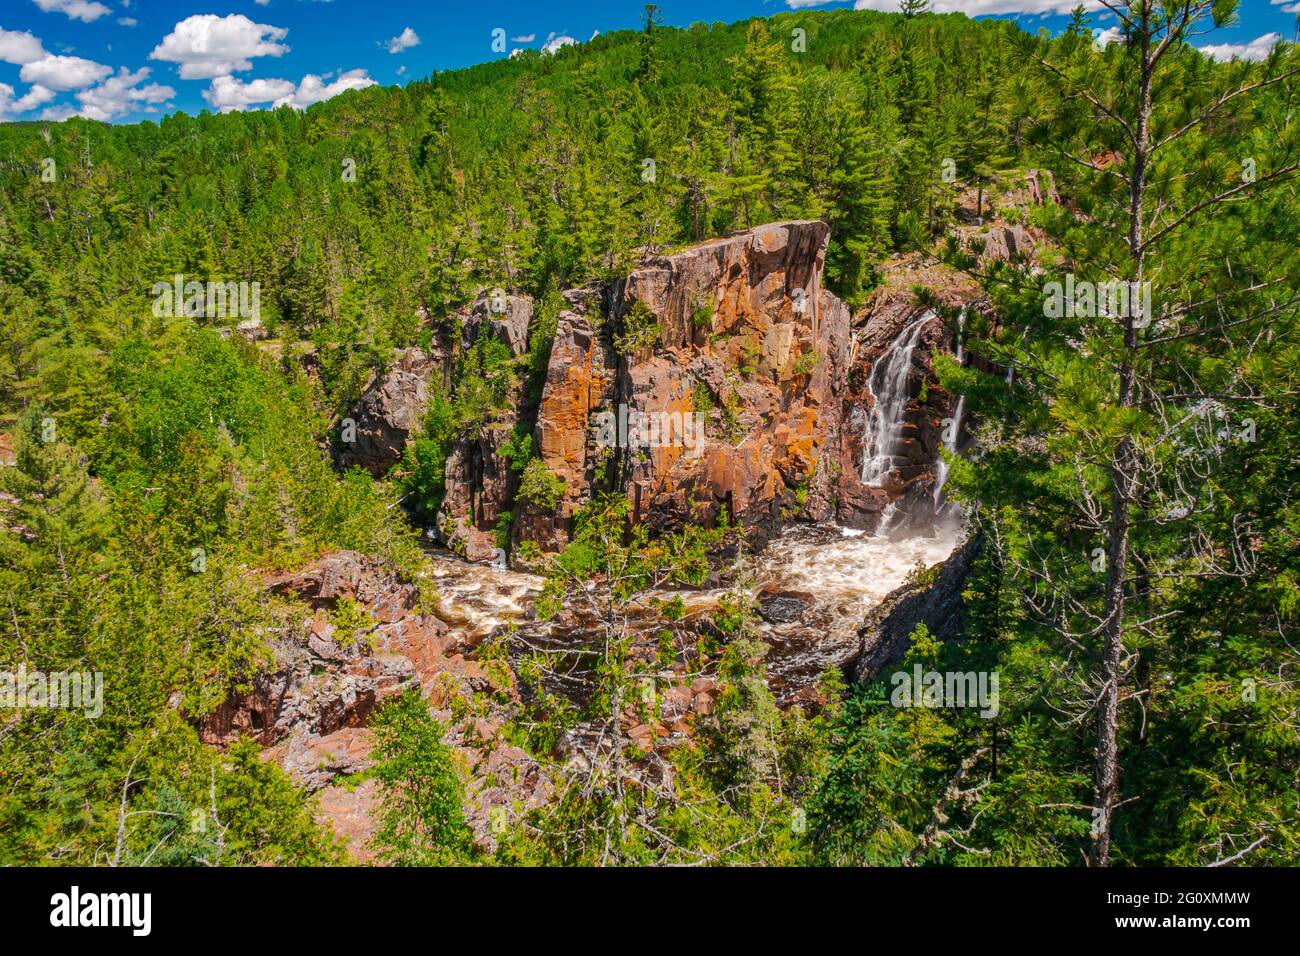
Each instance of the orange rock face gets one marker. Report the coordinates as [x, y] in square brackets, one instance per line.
[719, 380]
[733, 407]
[579, 380]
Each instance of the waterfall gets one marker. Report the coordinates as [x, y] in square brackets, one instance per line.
[958, 350]
[887, 384]
[950, 443]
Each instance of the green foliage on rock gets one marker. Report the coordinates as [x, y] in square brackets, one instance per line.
[640, 329]
[540, 487]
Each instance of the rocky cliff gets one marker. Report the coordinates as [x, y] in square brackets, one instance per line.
[721, 380]
[480, 483]
[388, 414]
[729, 404]
[312, 707]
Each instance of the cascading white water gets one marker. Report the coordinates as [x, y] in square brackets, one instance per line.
[958, 348]
[476, 599]
[887, 384]
[851, 570]
[951, 434]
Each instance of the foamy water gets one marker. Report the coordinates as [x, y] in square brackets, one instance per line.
[478, 598]
[832, 577]
[837, 577]
[856, 569]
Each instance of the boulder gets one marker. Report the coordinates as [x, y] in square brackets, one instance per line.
[1003, 243]
[315, 761]
[252, 329]
[783, 607]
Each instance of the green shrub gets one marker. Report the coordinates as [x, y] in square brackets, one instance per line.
[422, 821]
[350, 621]
[702, 398]
[640, 329]
[540, 487]
[806, 363]
[702, 317]
[518, 448]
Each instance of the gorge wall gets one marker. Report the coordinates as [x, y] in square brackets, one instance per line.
[719, 380]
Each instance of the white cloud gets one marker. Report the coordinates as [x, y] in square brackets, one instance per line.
[208, 46]
[9, 106]
[20, 47]
[313, 90]
[36, 96]
[116, 96]
[128, 21]
[972, 8]
[404, 41]
[525, 38]
[63, 72]
[228, 94]
[1255, 50]
[59, 113]
[122, 94]
[554, 42]
[401, 70]
[1106, 37]
[76, 9]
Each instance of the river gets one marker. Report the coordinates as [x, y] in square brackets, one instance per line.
[815, 586]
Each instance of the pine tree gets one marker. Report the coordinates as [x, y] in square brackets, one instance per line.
[1136, 409]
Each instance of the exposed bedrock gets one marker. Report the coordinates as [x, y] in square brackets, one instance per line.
[749, 341]
[718, 380]
[734, 403]
[389, 413]
[311, 708]
[479, 483]
[579, 383]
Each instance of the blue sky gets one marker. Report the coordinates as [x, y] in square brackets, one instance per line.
[128, 60]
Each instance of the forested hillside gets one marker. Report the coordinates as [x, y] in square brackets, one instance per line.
[1132, 480]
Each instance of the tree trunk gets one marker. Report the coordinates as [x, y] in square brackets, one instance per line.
[1123, 479]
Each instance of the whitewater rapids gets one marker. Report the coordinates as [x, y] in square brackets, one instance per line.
[825, 580]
